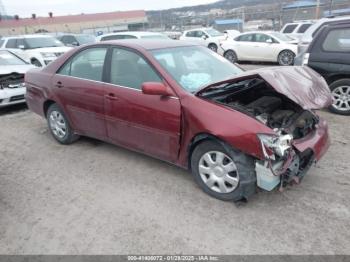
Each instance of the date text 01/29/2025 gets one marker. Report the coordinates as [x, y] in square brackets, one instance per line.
[173, 258]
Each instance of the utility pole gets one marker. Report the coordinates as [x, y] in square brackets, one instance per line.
[318, 9]
[331, 7]
[2, 10]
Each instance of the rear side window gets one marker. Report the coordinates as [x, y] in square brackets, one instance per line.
[11, 43]
[246, 38]
[88, 64]
[303, 28]
[337, 40]
[2, 42]
[191, 34]
[289, 29]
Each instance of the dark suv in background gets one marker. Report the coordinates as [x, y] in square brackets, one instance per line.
[329, 55]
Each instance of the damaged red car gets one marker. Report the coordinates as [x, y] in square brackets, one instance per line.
[182, 103]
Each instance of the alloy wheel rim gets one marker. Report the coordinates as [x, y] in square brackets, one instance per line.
[230, 57]
[341, 98]
[286, 58]
[58, 124]
[218, 172]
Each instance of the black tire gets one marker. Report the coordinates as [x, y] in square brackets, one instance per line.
[69, 136]
[286, 58]
[245, 168]
[36, 63]
[231, 56]
[213, 47]
[335, 87]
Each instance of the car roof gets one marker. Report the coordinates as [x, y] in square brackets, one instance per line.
[149, 44]
[196, 29]
[135, 33]
[25, 36]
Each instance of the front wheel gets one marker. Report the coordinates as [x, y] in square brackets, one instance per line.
[223, 172]
[286, 58]
[59, 125]
[341, 97]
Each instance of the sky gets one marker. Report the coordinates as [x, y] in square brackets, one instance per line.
[25, 8]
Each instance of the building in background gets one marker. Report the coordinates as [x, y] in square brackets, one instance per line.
[228, 24]
[83, 23]
[302, 10]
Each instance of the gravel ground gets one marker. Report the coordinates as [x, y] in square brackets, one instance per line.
[96, 198]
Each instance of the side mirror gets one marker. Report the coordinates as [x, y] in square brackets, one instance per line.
[75, 43]
[204, 37]
[21, 47]
[155, 88]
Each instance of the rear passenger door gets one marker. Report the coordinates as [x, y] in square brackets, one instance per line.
[146, 123]
[79, 89]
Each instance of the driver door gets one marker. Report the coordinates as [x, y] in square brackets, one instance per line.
[146, 123]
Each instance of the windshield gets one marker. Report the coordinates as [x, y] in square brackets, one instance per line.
[7, 58]
[213, 32]
[85, 39]
[282, 37]
[195, 67]
[38, 42]
[156, 36]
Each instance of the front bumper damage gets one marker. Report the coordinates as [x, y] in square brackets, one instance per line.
[292, 167]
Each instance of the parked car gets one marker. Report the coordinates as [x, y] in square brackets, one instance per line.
[260, 47]
[329, 55]
[296, 30]
[208, 37]
[76, 39]
[132, 35]
[39, 50]
[311, 32]
[12, 70]
[187, 105]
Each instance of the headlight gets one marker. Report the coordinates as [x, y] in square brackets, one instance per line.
[48, 55]
[273, 144]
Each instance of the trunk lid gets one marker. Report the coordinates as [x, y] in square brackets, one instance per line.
[300, 84]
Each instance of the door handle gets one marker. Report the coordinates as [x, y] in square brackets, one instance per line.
[111, 96]
[59, 84]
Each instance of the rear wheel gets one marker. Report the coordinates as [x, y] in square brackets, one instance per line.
[231, 56]
[223, 172]
[286, 58]
[341, 97]
[59, 125]
[213, 47]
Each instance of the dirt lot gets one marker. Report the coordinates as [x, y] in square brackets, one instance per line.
[96, 198]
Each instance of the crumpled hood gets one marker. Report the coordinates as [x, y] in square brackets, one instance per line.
[300, 84]
[20, 69]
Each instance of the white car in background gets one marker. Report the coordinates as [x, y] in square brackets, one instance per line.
[39, 50]
[208, 37]
[12, 70]
[131, 35]
[297, 29]
[261, 47]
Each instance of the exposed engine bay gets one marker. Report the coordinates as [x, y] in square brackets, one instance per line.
[256, 98]
[10, 81]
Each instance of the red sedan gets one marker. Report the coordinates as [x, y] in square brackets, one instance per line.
[185, 104]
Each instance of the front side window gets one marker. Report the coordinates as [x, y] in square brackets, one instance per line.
[213, 33]
[129, 69]
[303, 28]
[262, 38]
[337, 40]
[191, 34]
[195, 67]
[88, 64]
[11, 43]
[289, 28]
